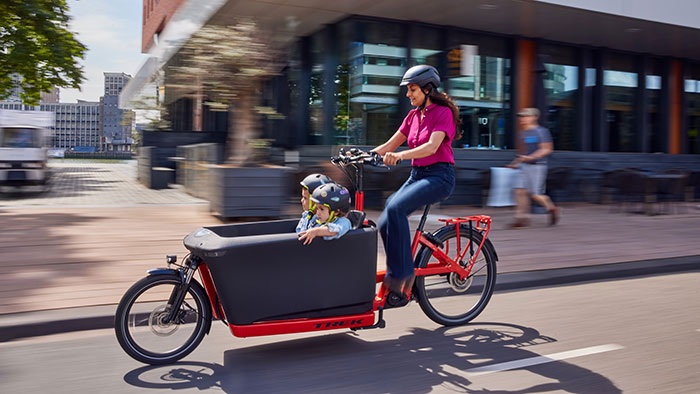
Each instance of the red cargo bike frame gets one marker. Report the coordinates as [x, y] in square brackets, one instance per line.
[444, 265]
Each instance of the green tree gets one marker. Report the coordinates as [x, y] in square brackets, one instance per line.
[35, 44]
[224, 67]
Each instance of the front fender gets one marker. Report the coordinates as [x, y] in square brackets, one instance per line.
[159, 271]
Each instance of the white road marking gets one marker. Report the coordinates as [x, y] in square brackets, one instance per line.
[528, 362]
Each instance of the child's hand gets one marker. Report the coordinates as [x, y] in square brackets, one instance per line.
[308, 235]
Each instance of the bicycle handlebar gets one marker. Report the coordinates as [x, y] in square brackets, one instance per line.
[355, 155]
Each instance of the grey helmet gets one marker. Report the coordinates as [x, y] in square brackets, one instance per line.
[421, 75]
[334, 196]
[424, 76]
[311, 182]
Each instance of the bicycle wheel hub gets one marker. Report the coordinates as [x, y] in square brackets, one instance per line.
[156, 321]
[460, 285]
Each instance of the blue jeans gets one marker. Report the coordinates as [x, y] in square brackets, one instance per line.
[426, 185]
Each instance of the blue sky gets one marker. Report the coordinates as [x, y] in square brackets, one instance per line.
[112, 32]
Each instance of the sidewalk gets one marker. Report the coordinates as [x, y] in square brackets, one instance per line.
[72, 257]
[59, 260]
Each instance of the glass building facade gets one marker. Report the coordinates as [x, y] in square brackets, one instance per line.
[341, 86]
[692, 107]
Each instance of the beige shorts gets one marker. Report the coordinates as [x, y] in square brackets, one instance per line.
[531, 177]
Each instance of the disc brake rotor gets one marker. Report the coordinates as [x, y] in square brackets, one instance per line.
[459, 285]
[157, 324]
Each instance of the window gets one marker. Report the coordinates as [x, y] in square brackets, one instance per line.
[620, 79]
[652, 111]
[373, 60]
[692, 107]
[477, 80]
[561, 87]
[20, 138]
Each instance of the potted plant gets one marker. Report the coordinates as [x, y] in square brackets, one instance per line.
[224, 67]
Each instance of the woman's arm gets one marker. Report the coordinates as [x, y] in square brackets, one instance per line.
[394, 142]
[427, 149]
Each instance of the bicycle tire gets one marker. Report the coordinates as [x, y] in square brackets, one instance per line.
[124, 319]
[440, 289]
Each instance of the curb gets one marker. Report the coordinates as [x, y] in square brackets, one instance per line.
[40, 323]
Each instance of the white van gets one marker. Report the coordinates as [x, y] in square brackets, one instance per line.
[24, 138]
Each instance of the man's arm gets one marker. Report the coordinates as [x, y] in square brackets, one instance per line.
[544, 149]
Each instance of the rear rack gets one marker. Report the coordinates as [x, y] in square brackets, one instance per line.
[482, 222]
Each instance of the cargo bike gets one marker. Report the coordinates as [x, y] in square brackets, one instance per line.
[259, 279]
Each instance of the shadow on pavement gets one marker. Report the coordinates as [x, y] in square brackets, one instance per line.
[37, 256]
[343, 363]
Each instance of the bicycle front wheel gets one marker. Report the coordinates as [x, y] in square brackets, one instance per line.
[140, 320]
[446, 298]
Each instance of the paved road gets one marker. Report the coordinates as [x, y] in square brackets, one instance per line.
[634, 336]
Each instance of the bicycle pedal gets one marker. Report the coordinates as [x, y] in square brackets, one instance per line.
[395, 300]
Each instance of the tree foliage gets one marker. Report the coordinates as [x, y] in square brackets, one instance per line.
[225, 67]
[36, 44]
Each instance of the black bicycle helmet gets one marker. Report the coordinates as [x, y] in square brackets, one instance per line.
[422, 75]
[426, 77]
[333, 196]
[311, 182]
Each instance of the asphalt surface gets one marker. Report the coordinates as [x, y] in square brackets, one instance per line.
[638, 335]
[38, 323]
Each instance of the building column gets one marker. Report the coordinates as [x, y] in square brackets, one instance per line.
[523, 82]
[302, 117]
[407, 32]
[601, 140]
[583, 102]
[675, 107]
[641, 104]
[525, 74]
[329, 72]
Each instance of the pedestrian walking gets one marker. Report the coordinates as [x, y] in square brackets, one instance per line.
[531, 162]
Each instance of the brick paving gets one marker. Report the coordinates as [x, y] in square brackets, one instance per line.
[87, 241]
[82, 183]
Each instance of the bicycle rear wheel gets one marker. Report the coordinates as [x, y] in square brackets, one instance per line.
[140, 326]
[447, 299]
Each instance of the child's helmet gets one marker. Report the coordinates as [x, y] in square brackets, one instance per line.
[311, 182]
[333, 196]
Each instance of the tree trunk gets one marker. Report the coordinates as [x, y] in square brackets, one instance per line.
[240, 131]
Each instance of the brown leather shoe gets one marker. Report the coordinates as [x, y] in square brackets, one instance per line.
[519, 223]
[553, 216]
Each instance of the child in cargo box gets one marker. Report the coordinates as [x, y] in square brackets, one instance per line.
[332, 203]
[308, 185]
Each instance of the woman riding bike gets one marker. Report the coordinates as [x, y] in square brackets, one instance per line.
[429, 130]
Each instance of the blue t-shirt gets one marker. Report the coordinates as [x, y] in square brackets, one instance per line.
[307, 221]
[340, 226]
[532, 139]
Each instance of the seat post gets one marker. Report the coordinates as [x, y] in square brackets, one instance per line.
[424, 217]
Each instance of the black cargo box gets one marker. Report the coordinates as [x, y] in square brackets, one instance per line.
[263, 272]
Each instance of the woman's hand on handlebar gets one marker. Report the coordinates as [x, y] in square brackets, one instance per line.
[392, 158]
